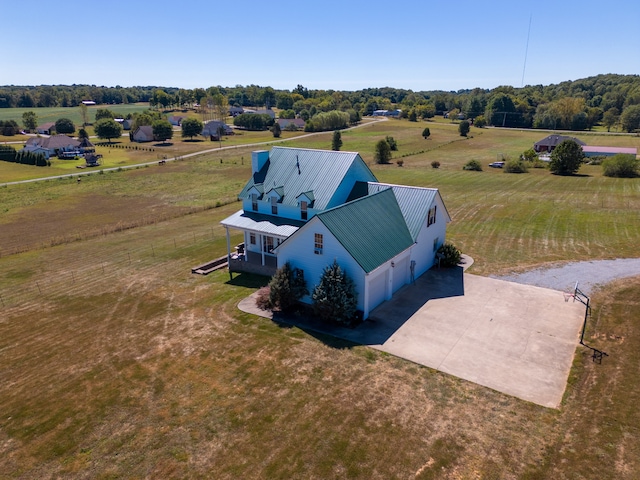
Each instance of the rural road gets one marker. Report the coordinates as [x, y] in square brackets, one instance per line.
[182, 157]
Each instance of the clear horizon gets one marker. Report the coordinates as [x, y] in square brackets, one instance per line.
[338, 46]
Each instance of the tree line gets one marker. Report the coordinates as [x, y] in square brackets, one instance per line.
[611, 100]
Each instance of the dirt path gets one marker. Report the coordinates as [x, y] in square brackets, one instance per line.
[589, 275]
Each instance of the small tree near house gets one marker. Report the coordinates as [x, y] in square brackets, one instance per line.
[334, 298]
[287, 287]
[426, 133]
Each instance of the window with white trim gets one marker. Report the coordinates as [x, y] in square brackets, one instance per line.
[252, 238]
[303, 210]
[267, 244]
[318, 244]
[274, 205]
[254, 202]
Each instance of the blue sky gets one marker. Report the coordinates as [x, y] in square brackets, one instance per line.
[340, 45]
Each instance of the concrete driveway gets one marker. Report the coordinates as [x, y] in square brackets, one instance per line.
[517, 339]
[513, 338]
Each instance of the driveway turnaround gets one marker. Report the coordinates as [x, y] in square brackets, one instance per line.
[516, 339]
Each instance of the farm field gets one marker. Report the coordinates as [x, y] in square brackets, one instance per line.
[117, 362]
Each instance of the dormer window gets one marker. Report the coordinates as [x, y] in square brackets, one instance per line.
[303, 210]
[254, 202]
[274, 205]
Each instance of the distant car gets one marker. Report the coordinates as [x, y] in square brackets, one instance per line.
[497, 164]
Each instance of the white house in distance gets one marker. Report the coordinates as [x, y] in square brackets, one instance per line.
[311, 207]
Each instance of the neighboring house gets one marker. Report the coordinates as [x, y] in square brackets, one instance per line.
[86, 146]
[88, 103]
[211, 129]
[264, 111]
[387, 113]
[127, 123]
[235, 111]
[595, 151]
[309, 207]
[175, 120]
[285, 122]
[53, 145]
[46, 128]
[547, 144]
[142, 134]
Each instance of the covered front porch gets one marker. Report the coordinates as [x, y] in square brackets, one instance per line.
[262, 234]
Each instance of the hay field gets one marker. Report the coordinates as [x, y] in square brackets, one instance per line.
[117, 362]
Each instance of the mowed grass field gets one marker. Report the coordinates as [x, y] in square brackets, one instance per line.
[117, 362]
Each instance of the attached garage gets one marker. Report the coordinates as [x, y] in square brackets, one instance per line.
[377, 289]
[401, 273]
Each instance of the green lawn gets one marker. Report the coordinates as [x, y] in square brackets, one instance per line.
[117, 362]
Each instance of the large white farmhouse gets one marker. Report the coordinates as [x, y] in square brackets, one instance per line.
[311, 207]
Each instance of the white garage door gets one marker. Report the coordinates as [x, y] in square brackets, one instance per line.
[400, 274]
[377, 290]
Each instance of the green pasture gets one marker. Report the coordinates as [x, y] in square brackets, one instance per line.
[51, 114]
[121, 363]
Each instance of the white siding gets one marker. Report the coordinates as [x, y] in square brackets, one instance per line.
[298, 251]
[422, 252]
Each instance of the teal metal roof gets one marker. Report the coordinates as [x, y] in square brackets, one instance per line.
[414, 203]
[372, 229]
[300, 170]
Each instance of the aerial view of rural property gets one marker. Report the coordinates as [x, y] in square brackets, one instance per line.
[329, 241]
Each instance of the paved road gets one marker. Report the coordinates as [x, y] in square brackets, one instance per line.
[182, 157]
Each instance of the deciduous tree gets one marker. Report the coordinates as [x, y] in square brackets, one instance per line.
[463, 128]
[162, 130]
[30, 120]
[84, 114]
[65, 126]
[611, 118]
[107, 128]
[630, 118]
[566, 158]
[104, 113]
[191, 127]
[426, 133]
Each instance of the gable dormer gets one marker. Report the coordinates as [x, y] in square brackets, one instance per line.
[274, 197]
[305, 202]
[254, 194]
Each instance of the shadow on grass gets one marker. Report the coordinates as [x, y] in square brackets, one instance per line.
[248, 280]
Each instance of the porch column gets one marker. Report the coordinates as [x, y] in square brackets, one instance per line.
[228, 252]
[262, 245]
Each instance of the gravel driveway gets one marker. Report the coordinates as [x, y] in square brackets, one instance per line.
[590, 275]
